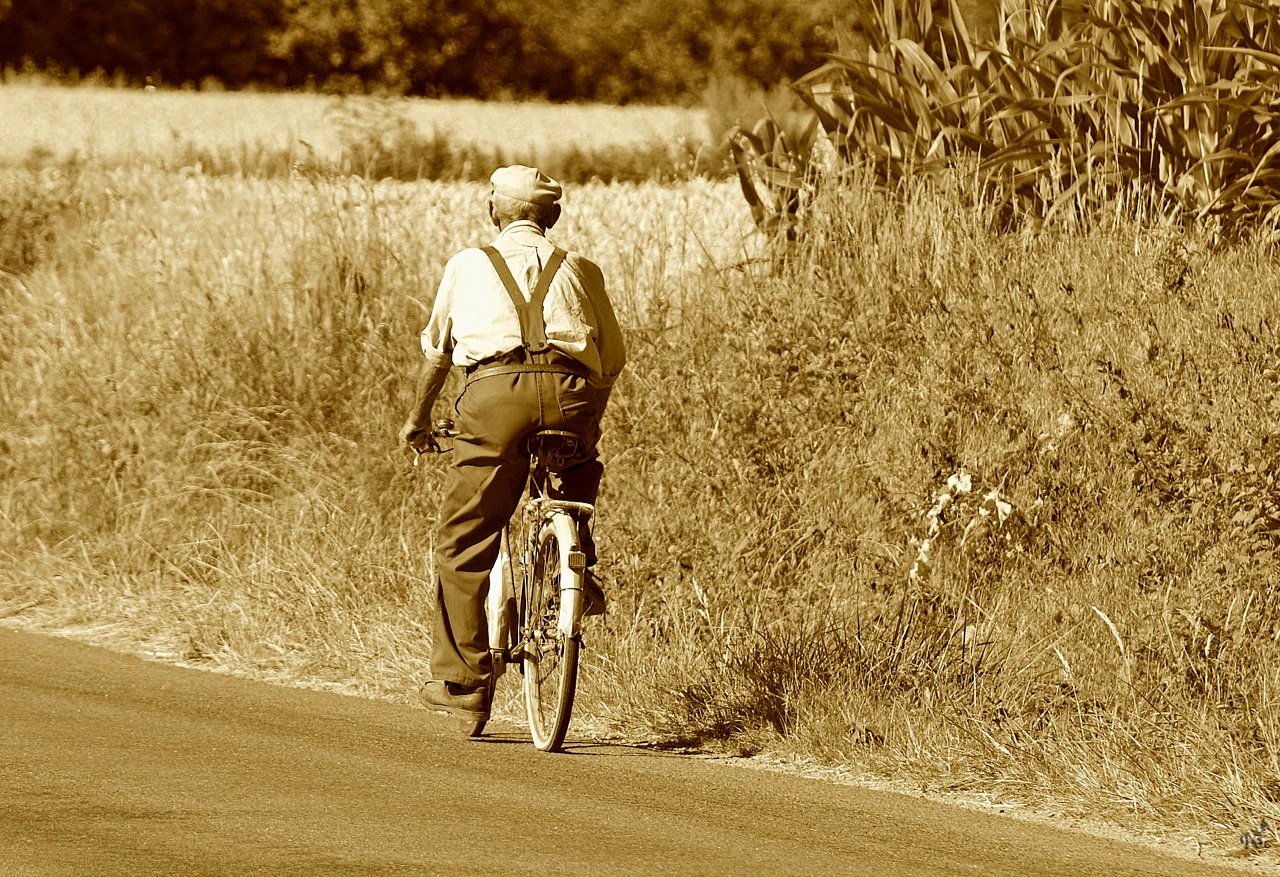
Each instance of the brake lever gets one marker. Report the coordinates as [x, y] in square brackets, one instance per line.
[432, 445]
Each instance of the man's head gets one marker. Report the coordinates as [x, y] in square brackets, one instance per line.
[526, 193]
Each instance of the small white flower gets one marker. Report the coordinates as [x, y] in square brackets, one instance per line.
[993, 504]
[960, 482]
[921, 566]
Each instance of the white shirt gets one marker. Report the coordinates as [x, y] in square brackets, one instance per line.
[474, 319]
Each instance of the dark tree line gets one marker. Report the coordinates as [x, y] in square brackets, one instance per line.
[173, 40]
[642, 50]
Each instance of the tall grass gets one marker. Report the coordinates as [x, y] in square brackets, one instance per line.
[979, 512]
[970, 511]
[201, 382]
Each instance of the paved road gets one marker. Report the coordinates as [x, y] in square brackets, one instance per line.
[110, 765]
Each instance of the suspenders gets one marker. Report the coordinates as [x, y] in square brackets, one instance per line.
[533, 325]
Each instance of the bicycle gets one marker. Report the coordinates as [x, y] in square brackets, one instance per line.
[535, 616]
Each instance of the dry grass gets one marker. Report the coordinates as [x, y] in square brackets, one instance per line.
[200, 380]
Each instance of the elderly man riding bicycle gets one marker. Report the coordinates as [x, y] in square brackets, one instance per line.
[533, 327]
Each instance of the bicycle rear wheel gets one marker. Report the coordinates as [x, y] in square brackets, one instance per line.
[550, 658]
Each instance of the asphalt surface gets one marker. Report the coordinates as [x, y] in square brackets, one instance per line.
[112, 765]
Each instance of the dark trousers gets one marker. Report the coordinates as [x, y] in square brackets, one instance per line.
[484, 487]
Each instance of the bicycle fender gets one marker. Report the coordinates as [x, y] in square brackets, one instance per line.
[570, 577]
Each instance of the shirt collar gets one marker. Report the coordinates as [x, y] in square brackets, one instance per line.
[522, 228]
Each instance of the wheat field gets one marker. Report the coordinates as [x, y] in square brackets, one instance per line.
[104, 123]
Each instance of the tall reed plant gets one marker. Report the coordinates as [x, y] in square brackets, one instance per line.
[1066, 109]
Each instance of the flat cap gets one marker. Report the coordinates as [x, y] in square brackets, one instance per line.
[525, 184]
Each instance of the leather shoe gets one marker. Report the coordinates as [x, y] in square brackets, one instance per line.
[471, 704]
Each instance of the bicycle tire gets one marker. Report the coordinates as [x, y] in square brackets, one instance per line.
[550, 658]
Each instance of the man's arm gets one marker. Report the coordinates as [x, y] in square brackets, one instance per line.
[437, 346]
[609, 341]
[416, 432]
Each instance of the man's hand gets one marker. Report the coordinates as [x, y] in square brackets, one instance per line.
[417, 438]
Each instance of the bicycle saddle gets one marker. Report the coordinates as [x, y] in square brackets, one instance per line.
[557, 449]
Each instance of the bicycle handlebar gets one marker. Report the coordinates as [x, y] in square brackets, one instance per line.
[439, 429]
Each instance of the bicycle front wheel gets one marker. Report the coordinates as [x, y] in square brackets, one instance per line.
[550, 657]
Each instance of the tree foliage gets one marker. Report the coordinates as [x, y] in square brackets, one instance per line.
[647, 50]
[173, 40]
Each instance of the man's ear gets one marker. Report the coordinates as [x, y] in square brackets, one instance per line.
[553, 215]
